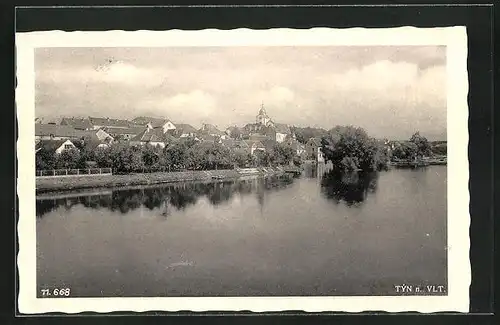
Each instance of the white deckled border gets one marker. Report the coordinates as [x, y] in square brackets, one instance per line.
[459, 277]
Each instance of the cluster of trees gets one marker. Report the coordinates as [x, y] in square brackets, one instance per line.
[439, 148]
[417, 147]
[186, 155]
[350, 148]
[304, 134]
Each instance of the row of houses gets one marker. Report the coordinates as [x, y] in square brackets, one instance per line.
[142, 130]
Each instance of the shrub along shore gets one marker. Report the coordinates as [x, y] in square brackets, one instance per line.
[48, 184]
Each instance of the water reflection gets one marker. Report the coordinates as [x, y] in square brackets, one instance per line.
[351, 188]
[179, 196]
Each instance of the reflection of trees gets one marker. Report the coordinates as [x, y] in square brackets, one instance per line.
[178, 196]
[218, 193]
[351, 188]
[181, 197]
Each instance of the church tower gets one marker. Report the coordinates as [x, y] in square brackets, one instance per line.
[262, 117]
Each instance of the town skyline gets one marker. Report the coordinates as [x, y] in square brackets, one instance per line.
[389, 91]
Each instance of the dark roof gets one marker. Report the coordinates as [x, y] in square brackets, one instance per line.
[185, 128]
[234, 144]
[93, 144]
[165, 137]
[77, 123]
[282, 128]
[210, 129]
[130, 130]
[155, 121]
[158, 123]
[49, 145]
[257, 143]
[110, 122]
[62, 131]
[294, 144]
[148, 135]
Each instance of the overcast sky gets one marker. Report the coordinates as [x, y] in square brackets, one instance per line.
[389, 91]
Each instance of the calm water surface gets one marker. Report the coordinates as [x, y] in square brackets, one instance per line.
[313, 235]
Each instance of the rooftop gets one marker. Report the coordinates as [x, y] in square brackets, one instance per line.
[62, 131]
[49, 145]
[106, 121]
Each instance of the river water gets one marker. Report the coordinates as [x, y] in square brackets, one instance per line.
[314, 235]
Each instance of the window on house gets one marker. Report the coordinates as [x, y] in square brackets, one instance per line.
[67, 146]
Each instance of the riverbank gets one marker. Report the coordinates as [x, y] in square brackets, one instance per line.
[48, 184]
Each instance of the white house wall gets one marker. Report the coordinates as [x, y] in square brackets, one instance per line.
[280, 137]
[62, 147]
[168, 126]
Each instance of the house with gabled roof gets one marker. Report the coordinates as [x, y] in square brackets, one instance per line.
[104, 136]
[314, 151]
[210, 129]
[123, 133]
[91, 143]
[148, 136]
[297, 147]
[254, 146]
[282, 131]
[54, 146]
[164, 124]
[184, 130]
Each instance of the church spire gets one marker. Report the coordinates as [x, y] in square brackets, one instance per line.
[262, 110]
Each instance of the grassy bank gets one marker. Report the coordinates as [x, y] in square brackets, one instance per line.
[80, 182]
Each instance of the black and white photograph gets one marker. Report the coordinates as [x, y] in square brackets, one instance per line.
[294, 170]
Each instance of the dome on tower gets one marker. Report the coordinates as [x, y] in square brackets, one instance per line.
[262, 110]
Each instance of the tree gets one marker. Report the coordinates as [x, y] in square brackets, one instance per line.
[423, 146]
[282, 154]
[262, 158]
[68, 159]
[103, 157]
[150, 156]
[297, 160]
[176, 154]
[350, 148]
[87, 151]
[304, 134]
[45, 159]
[123, 157]
[439, 149]
[240, 158]
[405, 150]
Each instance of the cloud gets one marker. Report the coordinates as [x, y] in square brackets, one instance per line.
[112, 73]
[387, 90]
[195, 106]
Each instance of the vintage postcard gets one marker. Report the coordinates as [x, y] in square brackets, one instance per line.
[243, 170]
